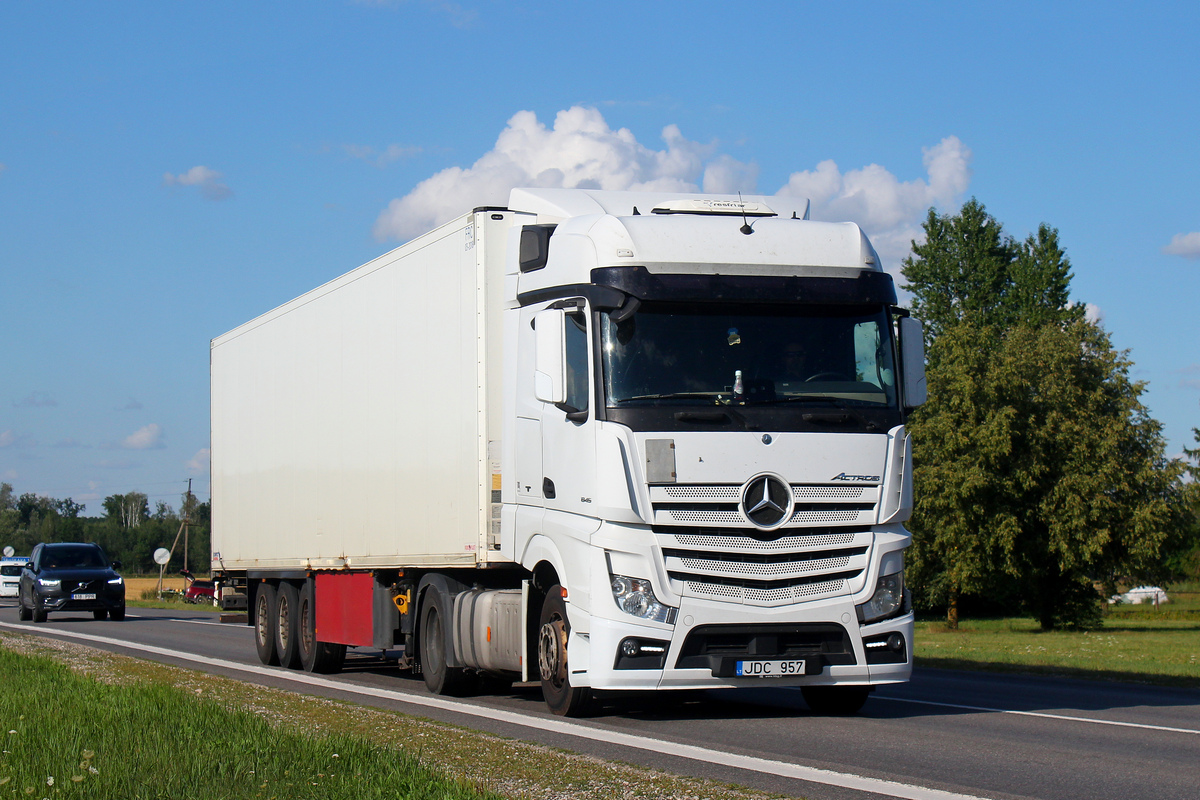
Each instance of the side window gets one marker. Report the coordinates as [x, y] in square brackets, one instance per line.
[577, 361]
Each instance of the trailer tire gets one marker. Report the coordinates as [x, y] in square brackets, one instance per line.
[835, 701]
[264, 624]
[439, 677]
[554, 629]
[287, 625]
[316, 656]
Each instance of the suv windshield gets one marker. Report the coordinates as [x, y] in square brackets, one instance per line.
[770, 355]
[73, 558]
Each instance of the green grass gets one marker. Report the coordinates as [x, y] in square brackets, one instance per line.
[215, 737]
[67, 735]
[1147, 646]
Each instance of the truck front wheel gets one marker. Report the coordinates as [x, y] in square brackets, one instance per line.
[264, 624]
[439, 677]
[554, 629]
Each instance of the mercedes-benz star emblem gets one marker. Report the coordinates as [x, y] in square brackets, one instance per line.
[767, 501]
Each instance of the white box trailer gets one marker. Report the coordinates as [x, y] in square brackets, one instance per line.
[662, 433]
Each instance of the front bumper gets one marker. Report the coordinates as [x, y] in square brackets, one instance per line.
[57, 600]
[707, 641]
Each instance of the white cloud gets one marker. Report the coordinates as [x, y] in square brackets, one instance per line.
[1093, 313]
[890, 211]
[580, 150]
[208, 180]
[1184, 244]
[147, 438]
[199, 462]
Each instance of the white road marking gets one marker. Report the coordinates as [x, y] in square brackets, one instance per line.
[1042, 714]
[765, 766]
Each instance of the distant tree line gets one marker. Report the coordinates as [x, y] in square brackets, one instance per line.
[1041, 481]
[128, 531]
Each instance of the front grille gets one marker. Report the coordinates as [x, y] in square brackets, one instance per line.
[710, 549]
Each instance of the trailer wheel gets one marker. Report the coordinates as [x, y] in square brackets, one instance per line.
[287, 625]
[554, 629]
[264, 624]
[316, 656]
[835, 701]
[440, 678]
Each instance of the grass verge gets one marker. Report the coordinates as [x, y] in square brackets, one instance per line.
[80, 722]
[1161, 650]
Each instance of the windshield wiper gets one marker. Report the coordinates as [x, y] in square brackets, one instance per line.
[673, 396]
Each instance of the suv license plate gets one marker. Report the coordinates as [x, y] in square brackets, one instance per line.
[769, 669]
[83, 597]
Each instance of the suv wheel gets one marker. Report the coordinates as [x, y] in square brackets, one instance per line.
[39, 613]
[23, 613]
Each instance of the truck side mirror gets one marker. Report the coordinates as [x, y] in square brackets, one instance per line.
[912, 362]
[550, 371]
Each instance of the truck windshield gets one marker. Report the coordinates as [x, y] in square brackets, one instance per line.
[748, 355]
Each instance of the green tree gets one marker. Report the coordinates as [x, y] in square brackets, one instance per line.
[1037, 467]
[127, 510]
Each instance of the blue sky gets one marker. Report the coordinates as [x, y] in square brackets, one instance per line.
[171, 170]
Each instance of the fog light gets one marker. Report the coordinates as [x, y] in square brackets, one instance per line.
[630, 648]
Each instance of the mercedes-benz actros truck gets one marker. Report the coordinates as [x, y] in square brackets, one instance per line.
[608, 441]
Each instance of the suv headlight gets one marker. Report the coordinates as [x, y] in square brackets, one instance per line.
[636, 596]
[887, 600]
[117, 581]
[48, 584]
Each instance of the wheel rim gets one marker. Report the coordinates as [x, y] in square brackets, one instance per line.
[308, 639]
[260, 619]
[552, 651]
[285, 612]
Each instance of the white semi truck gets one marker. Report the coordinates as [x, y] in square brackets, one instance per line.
[605, 440]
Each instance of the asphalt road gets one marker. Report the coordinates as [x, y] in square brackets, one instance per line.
[943, 735]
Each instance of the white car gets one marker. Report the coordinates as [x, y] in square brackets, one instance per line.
[1141, 594]
[10, 575]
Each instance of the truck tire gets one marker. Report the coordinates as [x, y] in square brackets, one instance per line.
[554, 629]
[287, 625]
[835, 701]
[264, 624]
[316, 656]
[439, 677]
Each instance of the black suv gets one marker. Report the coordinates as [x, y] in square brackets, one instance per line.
[64, 576]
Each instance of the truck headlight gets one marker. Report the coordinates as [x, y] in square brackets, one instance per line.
[635, 596]
[887, 600]
[48, 584]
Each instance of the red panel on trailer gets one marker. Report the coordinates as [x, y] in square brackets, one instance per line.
[343, 605]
